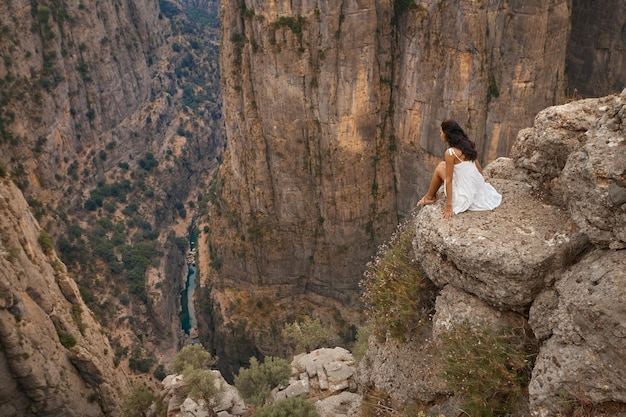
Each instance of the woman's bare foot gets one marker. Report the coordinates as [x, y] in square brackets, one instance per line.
[426, 200]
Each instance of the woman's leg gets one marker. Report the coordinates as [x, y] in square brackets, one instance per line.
[435, 183]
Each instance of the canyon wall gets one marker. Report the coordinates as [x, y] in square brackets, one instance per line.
[109, 122]
[332, 113]
[596, 52]
[54, 359]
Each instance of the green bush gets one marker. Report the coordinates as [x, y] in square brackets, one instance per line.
[488, 368]
[45, 242]
[308, 335]
[360, 344]
[193, 362]
[159, 373]
[256, 382]
[200, 384]
[66, 339]
[194, 356]
[289, 407]
[137, 401]
[395, 294]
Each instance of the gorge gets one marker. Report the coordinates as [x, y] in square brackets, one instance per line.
[116, 130]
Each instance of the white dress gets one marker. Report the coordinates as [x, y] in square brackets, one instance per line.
[469, 189]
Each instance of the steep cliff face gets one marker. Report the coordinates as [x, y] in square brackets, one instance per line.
[71, 71]
[109, 122]
[489, 65]
[549, 259]
[332, 113]
[54, 358]
[596, 51]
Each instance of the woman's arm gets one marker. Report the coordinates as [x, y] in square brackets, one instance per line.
[480, 169]
[447, 208]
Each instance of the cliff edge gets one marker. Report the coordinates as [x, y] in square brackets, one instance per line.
[552, 255]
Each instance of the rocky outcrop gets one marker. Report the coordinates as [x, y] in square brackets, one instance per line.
[553, 251]
[326, 376]
[55, 360]
[230, 403]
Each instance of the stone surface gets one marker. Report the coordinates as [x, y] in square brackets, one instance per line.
[469, 251]
[55, 356]
[179, 405]
[454, 306]
[344, 404]
[406, 371]
[327, 373]
[574, 155]
[584, 324]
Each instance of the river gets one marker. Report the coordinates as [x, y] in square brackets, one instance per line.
[188, 311]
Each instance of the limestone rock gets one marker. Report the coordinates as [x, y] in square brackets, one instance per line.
[454, 306]
[230, 400]
[190, 408]
[328, 373]
[344, 404]
[582, 359]
[54, 357]
[574, 154]
[407, 372]
[468, 250]
[179, 405]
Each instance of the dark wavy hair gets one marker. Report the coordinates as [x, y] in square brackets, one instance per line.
[457, 138]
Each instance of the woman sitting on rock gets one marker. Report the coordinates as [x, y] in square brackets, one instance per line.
[464, 185]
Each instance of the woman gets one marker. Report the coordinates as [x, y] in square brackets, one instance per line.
[461, 173]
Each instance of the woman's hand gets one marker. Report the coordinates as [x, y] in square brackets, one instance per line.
[447, 212]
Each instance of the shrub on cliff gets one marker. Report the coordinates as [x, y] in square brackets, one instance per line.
[293, 406]
[308, 335]
[256, 382]
[192, 362]
[488, 368]
[395, 295]
[137, 401]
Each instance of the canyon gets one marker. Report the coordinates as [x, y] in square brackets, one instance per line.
[296, 157]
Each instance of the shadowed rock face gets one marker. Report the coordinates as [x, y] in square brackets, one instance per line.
[596, 50]
[553, 251]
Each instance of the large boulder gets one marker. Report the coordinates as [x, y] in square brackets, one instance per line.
[326, 375]
[574, 155]
[583, 323]
[506, 256]
[229, 402]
